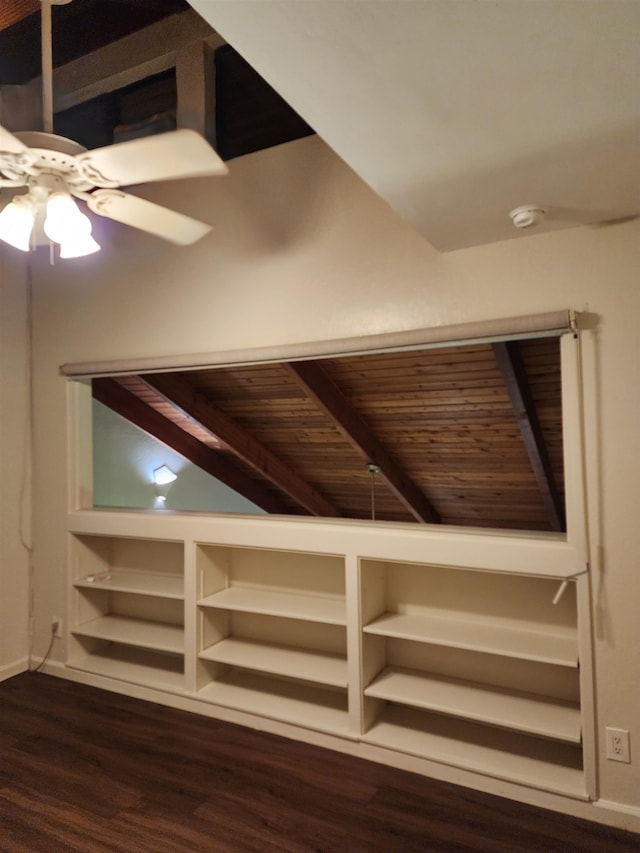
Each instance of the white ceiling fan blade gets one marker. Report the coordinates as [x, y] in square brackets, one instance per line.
[177, 154]
[147, 216]
[10, 144]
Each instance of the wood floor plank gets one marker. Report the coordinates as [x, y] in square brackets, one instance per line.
[87, 771]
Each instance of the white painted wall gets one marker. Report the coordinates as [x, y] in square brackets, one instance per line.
[303, 250]
[124, 458]
[15, 506]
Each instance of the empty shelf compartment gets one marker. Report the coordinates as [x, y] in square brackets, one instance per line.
[310, 665]
[525, 712]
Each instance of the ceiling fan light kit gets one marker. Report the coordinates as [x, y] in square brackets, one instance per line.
[55, 169]
[16, 223]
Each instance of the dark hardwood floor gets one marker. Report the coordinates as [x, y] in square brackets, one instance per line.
[86, 770]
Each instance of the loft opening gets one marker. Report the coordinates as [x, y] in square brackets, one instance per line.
[467, 434]
[249, 114]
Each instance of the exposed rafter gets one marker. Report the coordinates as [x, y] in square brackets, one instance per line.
[332, 401]
[515, 379]
[123, 402]
[196, 406]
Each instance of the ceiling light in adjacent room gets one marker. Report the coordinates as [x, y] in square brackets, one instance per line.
[163, 479]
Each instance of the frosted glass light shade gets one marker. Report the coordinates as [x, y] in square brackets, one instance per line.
[78, 246]
[66, 225]
[163, 475]
[16, 225]
[64, 221]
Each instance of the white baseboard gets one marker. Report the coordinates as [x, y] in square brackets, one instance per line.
[632, 820]
[8, 670]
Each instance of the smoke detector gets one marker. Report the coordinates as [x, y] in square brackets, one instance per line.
[527, 215]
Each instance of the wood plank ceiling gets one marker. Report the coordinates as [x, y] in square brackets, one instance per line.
[467, 435]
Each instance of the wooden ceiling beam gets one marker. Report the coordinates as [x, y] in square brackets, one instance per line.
[196, 406]
[123, 402]
[515, 379]
[326, 394]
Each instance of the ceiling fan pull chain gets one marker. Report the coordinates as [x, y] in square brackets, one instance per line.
[373, 469]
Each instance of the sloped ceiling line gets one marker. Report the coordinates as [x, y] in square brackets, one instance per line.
[197, 407]
[327, 395]
[458, 111]
[515, 379]
[110, 393]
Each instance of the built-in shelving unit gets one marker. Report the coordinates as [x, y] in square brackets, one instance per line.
[129, 609]
[487, 653]
[468, 663]
[270, 615]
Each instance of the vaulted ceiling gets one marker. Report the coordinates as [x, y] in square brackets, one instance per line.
[458, 111]
[454, 112]
[467, 435]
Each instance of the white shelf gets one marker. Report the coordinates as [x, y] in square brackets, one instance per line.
[330, 611]
[160, 585]
[524, 712]
[555, 645]
[492, 752]
[158, 636]
[287, 701]
[135, 666]
[309, 665]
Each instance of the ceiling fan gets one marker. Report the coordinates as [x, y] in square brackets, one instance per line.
[55, 170]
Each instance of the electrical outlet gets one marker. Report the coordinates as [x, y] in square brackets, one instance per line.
[618, 745]
[56, 627]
